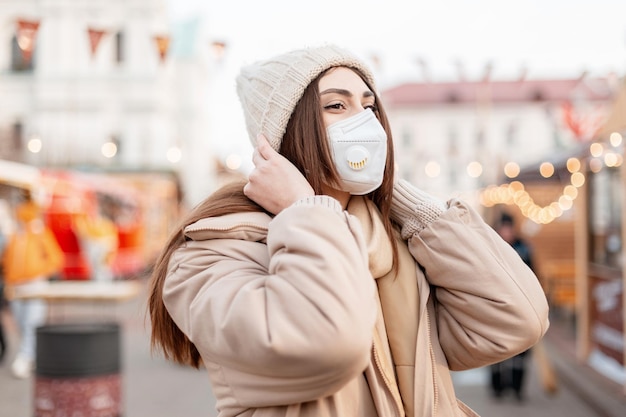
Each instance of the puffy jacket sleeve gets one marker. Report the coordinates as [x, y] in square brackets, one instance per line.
[489, 305]
[284, 321]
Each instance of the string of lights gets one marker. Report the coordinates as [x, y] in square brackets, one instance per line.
[601, 155]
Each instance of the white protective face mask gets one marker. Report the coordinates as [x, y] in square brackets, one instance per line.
[359, 145]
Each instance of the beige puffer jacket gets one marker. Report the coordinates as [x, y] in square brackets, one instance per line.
[282, 309]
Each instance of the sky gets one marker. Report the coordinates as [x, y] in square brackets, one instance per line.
[414, 39]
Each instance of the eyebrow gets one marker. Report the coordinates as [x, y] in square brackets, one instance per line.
[346, 93]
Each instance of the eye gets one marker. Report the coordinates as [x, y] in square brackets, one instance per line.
[334, 106]
[371, 106]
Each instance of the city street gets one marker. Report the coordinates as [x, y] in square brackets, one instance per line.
[153, 387]
[472, 389]
[475, 129]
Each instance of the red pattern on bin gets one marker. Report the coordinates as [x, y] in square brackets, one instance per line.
[98, 396]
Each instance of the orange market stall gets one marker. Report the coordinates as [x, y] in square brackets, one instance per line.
[75, 196]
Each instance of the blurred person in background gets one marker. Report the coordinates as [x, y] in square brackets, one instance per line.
[98, 239]
[31, 257]
[510, 372]
[324, 285]
[5, 230]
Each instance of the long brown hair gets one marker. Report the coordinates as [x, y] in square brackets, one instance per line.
[165, 335]
[305, 144]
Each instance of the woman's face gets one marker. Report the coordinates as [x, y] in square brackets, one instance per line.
[343, 94]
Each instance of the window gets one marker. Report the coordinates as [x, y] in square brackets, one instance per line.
[453, 141]
[407, 137]
[511, 136]
[18, 62]
[605, 211]
[119, 47]
[480, 138]
[453, 175]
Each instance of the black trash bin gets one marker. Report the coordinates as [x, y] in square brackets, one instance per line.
[78, 370]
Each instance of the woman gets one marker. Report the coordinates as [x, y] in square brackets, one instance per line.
[32, 256]
[324, 286]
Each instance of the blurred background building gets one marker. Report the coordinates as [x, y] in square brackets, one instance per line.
[456, 138]
[105, 102]
[105, 85]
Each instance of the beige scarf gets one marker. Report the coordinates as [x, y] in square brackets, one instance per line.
[398, 293]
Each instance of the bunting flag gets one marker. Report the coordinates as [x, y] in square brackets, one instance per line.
[582, 125]
[218, 47]
[95, 36]
[26, 35]
[163, 43]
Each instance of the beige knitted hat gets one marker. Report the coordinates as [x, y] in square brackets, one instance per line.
[269, 90]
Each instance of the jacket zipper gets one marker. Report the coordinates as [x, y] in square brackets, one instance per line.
[388, 384]
[432, 365]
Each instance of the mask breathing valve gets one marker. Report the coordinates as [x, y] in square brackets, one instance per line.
[357, 157]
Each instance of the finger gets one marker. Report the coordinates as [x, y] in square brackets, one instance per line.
[264, 147]
[256, 157]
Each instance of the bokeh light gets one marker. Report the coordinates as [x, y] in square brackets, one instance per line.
[109, 149]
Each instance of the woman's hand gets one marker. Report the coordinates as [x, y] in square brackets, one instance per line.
[274, 183]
